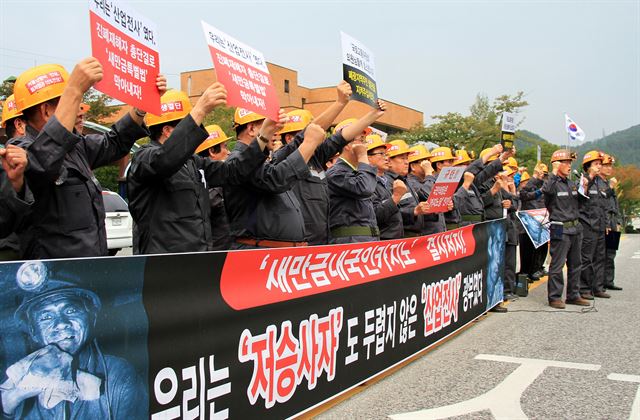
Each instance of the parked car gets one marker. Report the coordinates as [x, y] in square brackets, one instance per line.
[118, 222]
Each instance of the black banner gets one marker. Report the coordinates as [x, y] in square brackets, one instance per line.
[238, 334]
[363, 87]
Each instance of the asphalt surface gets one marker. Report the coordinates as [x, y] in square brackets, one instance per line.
[581, 352]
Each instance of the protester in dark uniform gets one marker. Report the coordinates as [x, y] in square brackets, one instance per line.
[352, 183]
[498, 202]
[413, 207]
[386, 195]
[531, 258]
[614, 221]
[593, 216]
[14, 126]
[168, 199]
[215, 148]
[442, 157]
[561, 199]
[312, 192]
[14, 206]
[263, 211]
[469, 207]
[68, 213]
[421, 180]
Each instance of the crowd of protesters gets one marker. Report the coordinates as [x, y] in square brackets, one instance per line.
[286, 183]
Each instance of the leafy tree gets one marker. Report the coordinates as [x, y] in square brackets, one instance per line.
[223, 116]
[628, 191]
[101, 107]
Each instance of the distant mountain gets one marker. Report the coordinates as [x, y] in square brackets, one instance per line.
[624, 145]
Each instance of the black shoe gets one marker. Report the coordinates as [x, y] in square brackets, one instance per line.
[499, 309]
[534, 276]
[612, 287]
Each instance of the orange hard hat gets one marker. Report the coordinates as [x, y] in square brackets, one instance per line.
[39, 84]
[418, 153]
[216, 136]
[9, 110]
[562, 154]
[175, 105]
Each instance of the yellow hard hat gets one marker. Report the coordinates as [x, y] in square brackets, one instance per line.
[418, 153]
[562, 154]
[485, 152]
[216, 136]
[9, 110]
[244, 116]
[508, 170]
[525, 176]
[512, 163]
[608, 160]
[298, 120]
[591, 156]
[398, 147]
[441, 153]
[342, 124]
[374, 141]
[39, 84]
[175, 105]
[462, 157]
[541, 167]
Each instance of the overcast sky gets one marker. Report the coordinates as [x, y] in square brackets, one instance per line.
[579, 57]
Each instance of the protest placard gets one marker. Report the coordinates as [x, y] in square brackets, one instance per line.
[536, 223]
[359, 70]
[444, 188]
[244, 73]
[126, 44]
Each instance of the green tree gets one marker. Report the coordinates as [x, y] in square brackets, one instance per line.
[101, 107]
[223, 116]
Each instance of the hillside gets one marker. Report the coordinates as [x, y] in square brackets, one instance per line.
[624, 145]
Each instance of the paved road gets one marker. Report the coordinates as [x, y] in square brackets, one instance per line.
[534, 362]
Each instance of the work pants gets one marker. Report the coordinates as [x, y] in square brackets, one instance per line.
[566, 250]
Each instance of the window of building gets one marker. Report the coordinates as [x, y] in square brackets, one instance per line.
[286, 86]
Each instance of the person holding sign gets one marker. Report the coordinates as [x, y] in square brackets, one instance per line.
[593, 216]
[468, 199]
[167, 182]
[68, 214]
[386, 197]
[312, 192]
[263, 210]
[614, 222]
[352, 184]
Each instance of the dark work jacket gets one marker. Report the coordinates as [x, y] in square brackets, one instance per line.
[312, 192]
[469, 202]
[407, 204]
[433, 223]
[68, 210]
[562, 200]
[593, 212]
[14, 210]
[263, 206]
[388, 215]
[531, 202]
[351, 195]
[493, 210]
[613, 210]
[220, 229]
[168, 199]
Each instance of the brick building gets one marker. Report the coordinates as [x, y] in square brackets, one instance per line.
[293, 96]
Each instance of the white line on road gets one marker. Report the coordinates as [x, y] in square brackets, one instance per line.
[504, 400]
[635, 407]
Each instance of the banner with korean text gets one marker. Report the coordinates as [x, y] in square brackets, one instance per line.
[267, 333]
[359, 70]
[126, 44]
[446, 185]
[243, 72]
